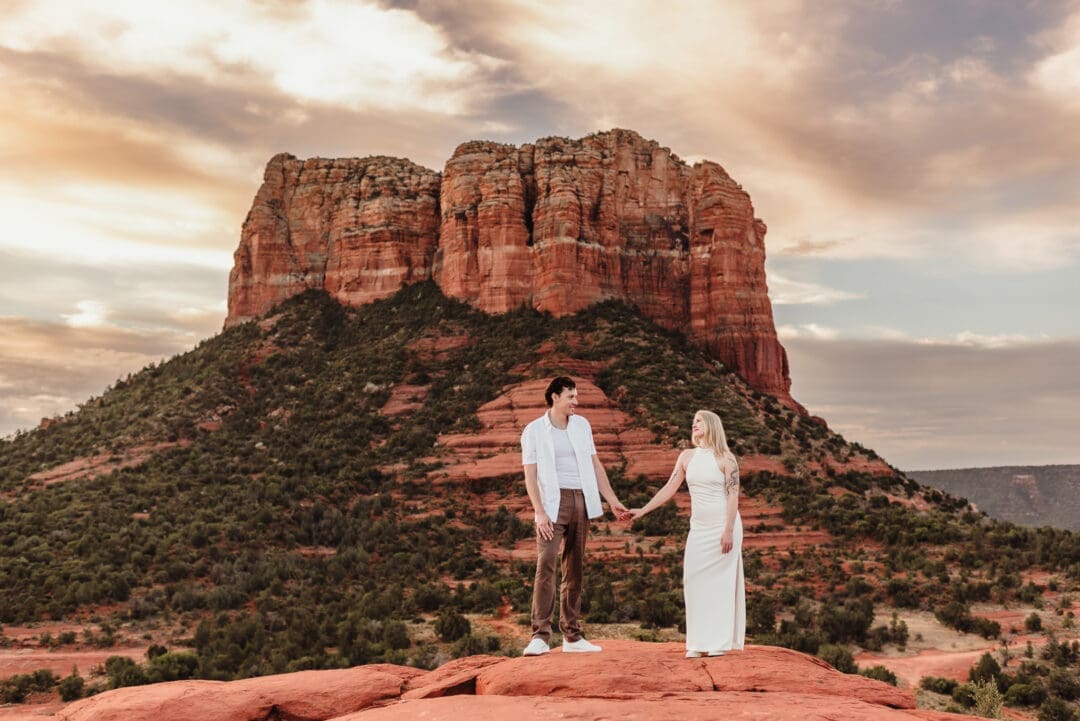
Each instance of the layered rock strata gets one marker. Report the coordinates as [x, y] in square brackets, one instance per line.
[357, 228]
[557, 225]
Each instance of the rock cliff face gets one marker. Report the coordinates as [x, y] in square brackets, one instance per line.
[557, 225]
[358, 228]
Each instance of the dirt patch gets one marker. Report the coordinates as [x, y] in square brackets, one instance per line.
[28, 660]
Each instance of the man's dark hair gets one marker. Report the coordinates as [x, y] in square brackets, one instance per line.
[556, 387]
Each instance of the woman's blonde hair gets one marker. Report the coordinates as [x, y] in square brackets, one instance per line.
[713, 436]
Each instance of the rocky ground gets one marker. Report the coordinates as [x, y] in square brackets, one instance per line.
[629, 680]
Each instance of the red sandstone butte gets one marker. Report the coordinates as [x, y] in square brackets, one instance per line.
[359, 228]
[628, 680]
[557, 225]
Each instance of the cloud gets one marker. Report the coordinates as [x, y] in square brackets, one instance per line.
[323, 52]
[943, 405]
[786, 291]
[89, 313]
[805, 246]
[1058, 73]
[806, 330]
[969, 339]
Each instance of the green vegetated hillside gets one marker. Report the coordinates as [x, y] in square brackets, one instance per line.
[1028, 495]
[291, 525]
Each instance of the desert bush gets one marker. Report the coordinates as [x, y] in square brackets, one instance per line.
[1025, 694]
[938, 684]
[1064, 683]
[1054, 709]
[451, 626]
[880, 673]
[838, 657]
[988, 699]
[71, 687]
[16, 688]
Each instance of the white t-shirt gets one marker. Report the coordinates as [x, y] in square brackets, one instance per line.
[566, 464]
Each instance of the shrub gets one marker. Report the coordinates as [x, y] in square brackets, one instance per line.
[122, 671]
[761, 614]
[1033, 623]
[985, 669]
[1025, 694]
[1064, 683]
[451, 625]
[471, 645]
[658, 610]
[964, 694]
[880, 673]
[16, 688]
[71, 687]
[847, 623]
[838, 657]
[988, 699]
[395, 635]
[172, 667]
[1054, 709]
[431, 597]
[937, 684]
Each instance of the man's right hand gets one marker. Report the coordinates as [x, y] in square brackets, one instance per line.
[545, 531]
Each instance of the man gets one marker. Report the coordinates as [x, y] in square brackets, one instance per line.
[565, 479]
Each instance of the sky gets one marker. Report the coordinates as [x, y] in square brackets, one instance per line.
[917, 164]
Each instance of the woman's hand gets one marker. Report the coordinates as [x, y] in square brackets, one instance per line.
[727, 541]
[636, 513]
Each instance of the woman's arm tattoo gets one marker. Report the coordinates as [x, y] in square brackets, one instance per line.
[731, 483]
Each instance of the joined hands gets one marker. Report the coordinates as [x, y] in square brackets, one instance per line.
[622, 513]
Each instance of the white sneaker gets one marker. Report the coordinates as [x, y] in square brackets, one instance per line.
[580, 646]
[716, 653]
[694, 654]
[536, 647]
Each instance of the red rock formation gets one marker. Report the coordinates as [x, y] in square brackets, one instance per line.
[629, 680]
[358, 228]
[301, 695]
[563, 224]
[557, 225]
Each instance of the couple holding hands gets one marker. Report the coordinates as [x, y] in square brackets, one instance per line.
[565, 481]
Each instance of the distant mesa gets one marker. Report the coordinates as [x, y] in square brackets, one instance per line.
[556, 225]
[1028, 495]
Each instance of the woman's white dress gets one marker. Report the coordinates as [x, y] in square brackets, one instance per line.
[712, 581]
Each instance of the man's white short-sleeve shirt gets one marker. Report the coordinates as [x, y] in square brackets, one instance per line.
[537, 446]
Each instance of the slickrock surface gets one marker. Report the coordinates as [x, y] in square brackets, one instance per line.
[630, 680]
[556, 225]
[301, 695]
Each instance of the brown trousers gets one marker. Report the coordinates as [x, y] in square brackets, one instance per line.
[571, 528]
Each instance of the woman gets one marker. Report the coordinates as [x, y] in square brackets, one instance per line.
[712, 566]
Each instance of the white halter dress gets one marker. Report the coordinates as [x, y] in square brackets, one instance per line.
[713, 582]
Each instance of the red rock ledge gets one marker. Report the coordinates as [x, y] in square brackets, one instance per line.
[629, 680]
